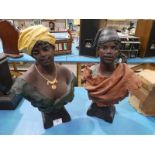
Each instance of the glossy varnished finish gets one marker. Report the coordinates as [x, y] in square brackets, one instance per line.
[9, 36]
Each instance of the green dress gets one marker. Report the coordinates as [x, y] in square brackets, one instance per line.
[43, 103]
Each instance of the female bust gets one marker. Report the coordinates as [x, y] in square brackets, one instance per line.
[111, 80]
[48, 86]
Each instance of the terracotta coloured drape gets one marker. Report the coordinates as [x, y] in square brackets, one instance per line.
[106, 91]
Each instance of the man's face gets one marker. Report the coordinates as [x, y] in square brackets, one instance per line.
[108, 52]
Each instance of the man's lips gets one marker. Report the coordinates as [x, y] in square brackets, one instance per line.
[108, 58]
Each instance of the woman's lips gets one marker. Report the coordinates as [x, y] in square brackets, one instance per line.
[45, 59]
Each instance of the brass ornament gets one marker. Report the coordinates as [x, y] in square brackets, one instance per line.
[53, 86]
[52, 83]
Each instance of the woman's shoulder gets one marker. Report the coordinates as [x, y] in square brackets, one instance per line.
[66, 73]
[64, 70]
[30, 74]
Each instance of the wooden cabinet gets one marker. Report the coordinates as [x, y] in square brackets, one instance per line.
[145, 30]
[9, 36]
[88, 30]
[143, 99]
[63, 43]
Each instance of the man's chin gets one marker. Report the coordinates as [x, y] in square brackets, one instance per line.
[108, 61]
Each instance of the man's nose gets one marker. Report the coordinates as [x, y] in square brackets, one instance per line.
[109, 50]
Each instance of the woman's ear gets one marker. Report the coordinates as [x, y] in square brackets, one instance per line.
[33, 54]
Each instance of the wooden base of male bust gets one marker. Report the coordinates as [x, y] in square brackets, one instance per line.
[106, 113]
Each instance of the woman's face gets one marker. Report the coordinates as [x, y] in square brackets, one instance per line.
[108, 52]
[44, 57]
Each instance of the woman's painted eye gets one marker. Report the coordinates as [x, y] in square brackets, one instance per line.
[46, 48]
[35, 53]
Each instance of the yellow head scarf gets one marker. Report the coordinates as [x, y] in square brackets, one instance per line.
[29, 36]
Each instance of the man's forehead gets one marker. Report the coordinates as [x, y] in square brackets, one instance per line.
[111, 43]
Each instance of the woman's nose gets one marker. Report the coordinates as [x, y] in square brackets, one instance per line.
[42, 53]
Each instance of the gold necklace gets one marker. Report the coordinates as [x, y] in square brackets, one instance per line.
[49, 82]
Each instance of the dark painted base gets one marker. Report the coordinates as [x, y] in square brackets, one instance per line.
[9, 102]
[49, 117]
[105, 113]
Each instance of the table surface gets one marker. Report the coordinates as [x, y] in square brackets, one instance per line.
[27, 120]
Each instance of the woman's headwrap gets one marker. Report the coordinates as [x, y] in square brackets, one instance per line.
[106, 35]
[29, 36]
